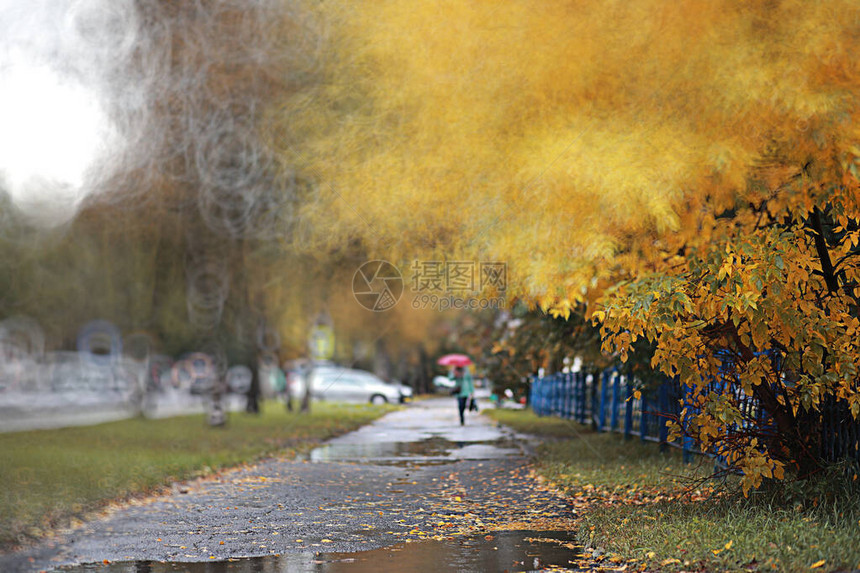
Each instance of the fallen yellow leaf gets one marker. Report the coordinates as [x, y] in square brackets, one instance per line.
[729, 544]
[818, 564]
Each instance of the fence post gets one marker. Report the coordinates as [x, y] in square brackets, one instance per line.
[565, 396]
[570, 396]
[559, 394]
[545, 388]
[587, 399]
[662, 430]
[550, 397]
[546, 395]
[613, 418]
[604, 395]
[628, 410]
[643, 418]
[580, 396]
[686, 441]
[540, 390]
[594, 398]
[687, 449]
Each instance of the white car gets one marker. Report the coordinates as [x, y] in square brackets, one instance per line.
[405, 391]
[336, 384]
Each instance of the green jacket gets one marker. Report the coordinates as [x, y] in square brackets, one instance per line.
[278, 380]
[467, 387]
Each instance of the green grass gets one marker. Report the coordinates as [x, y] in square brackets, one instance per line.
[527, 422]
[649, 506]
[51, 476]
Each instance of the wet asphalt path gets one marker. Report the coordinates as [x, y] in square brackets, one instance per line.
[413, 475]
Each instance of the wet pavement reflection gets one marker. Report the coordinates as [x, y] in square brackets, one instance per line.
[498, 551]
[413, 491]
[430, 451]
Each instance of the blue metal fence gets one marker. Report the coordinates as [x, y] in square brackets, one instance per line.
[840, 432]
[606, 401]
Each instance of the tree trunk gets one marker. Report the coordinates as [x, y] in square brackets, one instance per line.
[425, 371]
[306, 399]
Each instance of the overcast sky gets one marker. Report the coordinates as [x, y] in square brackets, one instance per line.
[56, 57]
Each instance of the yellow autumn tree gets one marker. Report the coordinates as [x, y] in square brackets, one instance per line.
[693, 163]
[547, 133]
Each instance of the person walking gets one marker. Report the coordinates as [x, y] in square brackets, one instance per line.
[463, 389]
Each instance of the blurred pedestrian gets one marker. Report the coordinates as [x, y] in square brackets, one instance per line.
[463, 389]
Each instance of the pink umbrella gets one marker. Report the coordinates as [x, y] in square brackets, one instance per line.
[454, 360]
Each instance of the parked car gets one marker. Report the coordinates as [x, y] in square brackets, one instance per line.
[337, 384]
[405, 391]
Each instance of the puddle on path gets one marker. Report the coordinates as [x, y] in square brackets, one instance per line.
[431, 451]
[499, 551]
